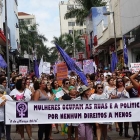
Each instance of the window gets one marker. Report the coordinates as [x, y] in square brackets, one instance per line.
[69, 7]
[71, 23]
[80, 31]
[28, 21]
[79, 24]
[70, 31]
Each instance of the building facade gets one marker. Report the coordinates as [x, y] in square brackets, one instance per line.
[27, 18]
[13, 31]
[131, 28]
[68, 25]
[127, 23]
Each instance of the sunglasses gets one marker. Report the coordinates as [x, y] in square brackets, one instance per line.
[120, 81]
[67, 83]
[100, 88]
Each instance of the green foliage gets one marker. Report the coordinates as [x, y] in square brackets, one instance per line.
[66, 42]
[82, 11]
[29, 37]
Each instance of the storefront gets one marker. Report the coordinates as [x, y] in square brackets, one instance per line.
[133, 45]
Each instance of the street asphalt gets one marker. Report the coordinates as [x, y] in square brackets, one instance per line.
[113, 135]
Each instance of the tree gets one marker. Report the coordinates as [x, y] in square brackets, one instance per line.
[29, 37]
[65, 41]
[83, 9]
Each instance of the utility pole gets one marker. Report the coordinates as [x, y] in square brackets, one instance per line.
[74, 51]
[7, 47]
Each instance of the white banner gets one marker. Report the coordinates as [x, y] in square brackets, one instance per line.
[41, 112]
[46, 67]
[134, 67]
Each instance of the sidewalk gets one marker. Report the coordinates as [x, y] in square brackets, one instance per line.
[113, 135]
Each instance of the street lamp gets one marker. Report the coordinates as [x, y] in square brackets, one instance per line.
[30, 31]
[74, 48]
[106, 14]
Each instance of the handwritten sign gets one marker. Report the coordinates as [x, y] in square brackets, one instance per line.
[88, 66]
[134, 67]
[23, 70]
[46, 67]
[62, 72]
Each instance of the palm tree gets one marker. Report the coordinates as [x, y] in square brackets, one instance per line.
[31, 39]
[66, 42]
[82, 12]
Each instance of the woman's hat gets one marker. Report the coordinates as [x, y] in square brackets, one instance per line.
[71, 88]
[83, 89]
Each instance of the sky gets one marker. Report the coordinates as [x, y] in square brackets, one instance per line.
[47, 16]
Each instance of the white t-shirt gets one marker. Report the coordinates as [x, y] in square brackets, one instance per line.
[27, 94]
[121, 94]
[4, 97]
[108, 90]
[98, 97]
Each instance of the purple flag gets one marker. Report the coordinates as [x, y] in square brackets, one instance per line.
[3, 64]
[36, 70]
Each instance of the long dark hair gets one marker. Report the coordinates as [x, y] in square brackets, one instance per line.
[117, 83]
[19, 84]
[97, 86]
[52, 84]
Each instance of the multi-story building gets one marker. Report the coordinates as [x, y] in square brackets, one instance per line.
[126, 23]
[27, 18]
[30, 20]
[13, 31]
[131, 28]
[68, 25]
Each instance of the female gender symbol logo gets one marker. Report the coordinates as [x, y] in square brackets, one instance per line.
[21, 108]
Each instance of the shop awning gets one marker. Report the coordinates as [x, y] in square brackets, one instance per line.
[2, 39]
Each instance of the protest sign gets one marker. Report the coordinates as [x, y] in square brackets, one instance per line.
[83, 111]
[23, 70]
[134, 67]
[62, 72]
[79, 64]
[46, 67]
[59, 94]
[88, 66]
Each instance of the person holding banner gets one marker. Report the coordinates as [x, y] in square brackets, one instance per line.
[101, 128]
[108, 90]
[84, 129]
[120, 92]
[58, 93]
[3, 99]
[21, 93]
[41, 95]
[72, 95]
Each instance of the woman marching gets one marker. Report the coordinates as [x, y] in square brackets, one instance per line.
[121, 93]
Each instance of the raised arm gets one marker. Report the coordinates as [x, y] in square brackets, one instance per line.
[134, 82]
